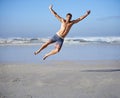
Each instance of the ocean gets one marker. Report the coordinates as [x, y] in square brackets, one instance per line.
[21, 50]
[68, 40]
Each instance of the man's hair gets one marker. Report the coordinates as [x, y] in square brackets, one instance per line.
[69, 14]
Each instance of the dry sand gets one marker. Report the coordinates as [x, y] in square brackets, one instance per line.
[61, 79]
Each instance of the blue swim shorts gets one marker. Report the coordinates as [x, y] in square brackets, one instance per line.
[58, 40]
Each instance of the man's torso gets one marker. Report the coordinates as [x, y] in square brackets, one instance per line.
[65, 28]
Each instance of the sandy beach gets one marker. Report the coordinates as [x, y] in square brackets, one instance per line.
[61, 79]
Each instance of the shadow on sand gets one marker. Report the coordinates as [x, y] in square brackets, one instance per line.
[102, 70]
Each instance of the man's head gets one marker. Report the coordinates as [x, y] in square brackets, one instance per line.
[68, 16]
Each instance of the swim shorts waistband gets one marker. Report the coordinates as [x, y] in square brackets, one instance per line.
[59, 36]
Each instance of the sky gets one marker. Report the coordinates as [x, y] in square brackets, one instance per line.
[32, 18]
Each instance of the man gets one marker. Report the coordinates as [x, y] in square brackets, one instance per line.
[66, 25]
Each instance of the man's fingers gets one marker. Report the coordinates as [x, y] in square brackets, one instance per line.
[88, 11]
[50, 6]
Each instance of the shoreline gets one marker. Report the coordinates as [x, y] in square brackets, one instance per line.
[25, 54]
[78, 62]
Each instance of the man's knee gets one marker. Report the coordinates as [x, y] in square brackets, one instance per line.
[57, 50]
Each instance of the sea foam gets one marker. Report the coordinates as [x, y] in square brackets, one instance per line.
[68, 40]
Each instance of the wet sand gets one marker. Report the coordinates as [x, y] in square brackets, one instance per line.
[61, 79]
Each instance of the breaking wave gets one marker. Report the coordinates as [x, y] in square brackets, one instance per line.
[69, 40]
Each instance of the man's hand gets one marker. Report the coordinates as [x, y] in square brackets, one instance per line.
[88, 12]
[51, 6]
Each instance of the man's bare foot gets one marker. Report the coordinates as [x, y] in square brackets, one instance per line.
[45, 57]
[36, 52]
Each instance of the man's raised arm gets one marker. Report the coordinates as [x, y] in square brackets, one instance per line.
[54, 13]
[82, 17]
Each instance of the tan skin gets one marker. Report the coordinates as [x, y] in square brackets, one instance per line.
[66, 25]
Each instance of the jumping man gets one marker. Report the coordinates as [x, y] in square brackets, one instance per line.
[66, 25]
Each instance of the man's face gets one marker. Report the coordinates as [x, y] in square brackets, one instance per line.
[68, 17]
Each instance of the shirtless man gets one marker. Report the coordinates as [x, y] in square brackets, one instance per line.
[66, 25]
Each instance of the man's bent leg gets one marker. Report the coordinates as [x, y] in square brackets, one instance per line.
[51, 53]
[43, 46]
[56, 50]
